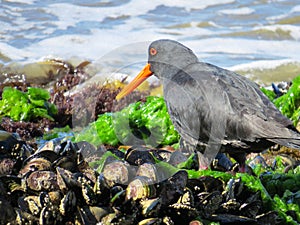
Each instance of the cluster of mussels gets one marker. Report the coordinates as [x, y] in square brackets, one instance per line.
[55, 184]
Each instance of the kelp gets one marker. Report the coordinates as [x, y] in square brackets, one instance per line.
[26, 106]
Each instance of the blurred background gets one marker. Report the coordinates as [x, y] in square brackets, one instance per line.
[258, 38]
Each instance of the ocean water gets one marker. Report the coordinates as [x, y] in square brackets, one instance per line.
[258, 38]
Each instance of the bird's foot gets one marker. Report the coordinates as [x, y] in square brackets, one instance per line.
[243, 168]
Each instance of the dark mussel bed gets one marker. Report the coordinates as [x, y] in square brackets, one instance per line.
[48, 175]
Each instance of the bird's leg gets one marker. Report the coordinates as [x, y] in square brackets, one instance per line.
[188, 148]
[203, 161]
[241, 160]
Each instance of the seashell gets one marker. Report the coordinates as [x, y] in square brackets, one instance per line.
[140, 188]
[42, 181]
[150, 207]
[232, 219]
[10, 143]
[66, 162]
[117, 172]
[68, 203]
[66, 180]
[139, 156]
[35, 164]
[92, 214]
[209, 202]
[150, 221]
[6, 166]
[148, 170]
[30, 204]
[250, 209]
[173, 187]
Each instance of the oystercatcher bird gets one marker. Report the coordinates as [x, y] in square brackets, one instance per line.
[214, 109]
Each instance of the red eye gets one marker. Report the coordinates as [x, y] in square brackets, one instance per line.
[153, 51]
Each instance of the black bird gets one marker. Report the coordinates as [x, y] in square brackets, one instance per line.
[214, 109]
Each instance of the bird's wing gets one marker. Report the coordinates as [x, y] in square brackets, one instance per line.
[206, 102]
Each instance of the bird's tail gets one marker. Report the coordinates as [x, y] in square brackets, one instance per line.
[288, 142]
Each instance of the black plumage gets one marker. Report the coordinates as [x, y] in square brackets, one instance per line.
[215, 109]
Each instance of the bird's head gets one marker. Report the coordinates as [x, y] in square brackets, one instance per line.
[165, 59]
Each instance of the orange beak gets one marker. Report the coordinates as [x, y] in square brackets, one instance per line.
[143, 75]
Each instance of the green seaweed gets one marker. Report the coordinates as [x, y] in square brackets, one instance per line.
[58, 132]
[280, 190]
[289, 103]
[270, 94]
[26, 106]
[278, 183]
[148, 121]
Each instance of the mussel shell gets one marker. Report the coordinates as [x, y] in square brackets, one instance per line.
[149, 170]
[66, 180]
[88, 193]
[117, 172]
[68, 203]
[48, 155]
[150, 221]
[55, 197]
[90, 174]
[150, 207]
[66, 162]
[208, 203]
[49, 145]
[7, 166]
[232, 219]
[50, 215]
[270, 217]
[140, 188]
[117, 196]
[11, 183]
[42, 181]
[35, 164]
[60, 147]
[138, 156]
[24, 217]
[172, 188]
[30, 204]
[234, 189]
[101, 186]
[187, 198]
[222, 163]
[117, 152]
[250, 209]
[8, 213]
[67, 148]
[9, 143]
[232, 205]
[206, 183]
[92, 214]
